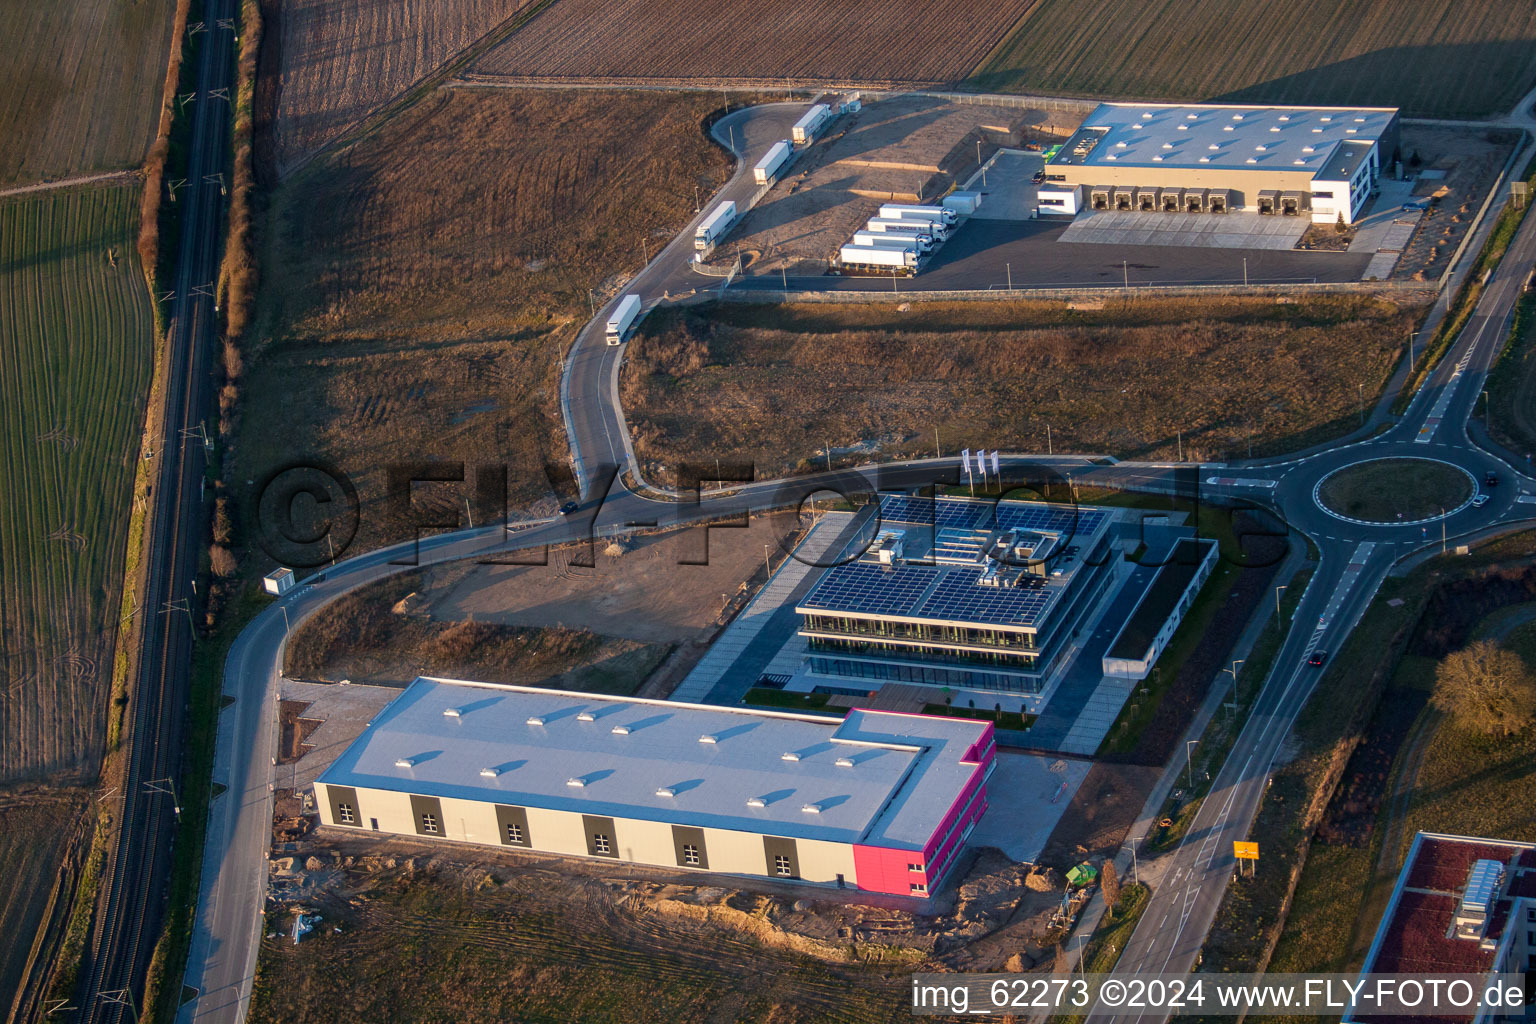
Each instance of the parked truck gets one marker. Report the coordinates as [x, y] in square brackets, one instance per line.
[716, 226]
[935, 230]
[910, 211]
[893, 238]
[876, 256]
[810, 123]
[624, 318]
[773, 161]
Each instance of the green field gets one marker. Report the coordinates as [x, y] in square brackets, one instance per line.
[76, 346]
[1431, 57]
[80, 85]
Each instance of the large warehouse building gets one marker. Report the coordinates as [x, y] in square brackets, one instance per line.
[877, 801]
[1321, 162]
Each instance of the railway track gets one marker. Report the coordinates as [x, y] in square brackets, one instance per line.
[128, 918]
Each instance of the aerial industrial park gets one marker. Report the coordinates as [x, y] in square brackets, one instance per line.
[546, 511]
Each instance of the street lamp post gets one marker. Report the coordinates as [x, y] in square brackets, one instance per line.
[1189, 763]
[1009, 267]
[1279, 616]
[1233, 670]
[1245, 271]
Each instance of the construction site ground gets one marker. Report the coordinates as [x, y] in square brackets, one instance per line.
[1456, 168]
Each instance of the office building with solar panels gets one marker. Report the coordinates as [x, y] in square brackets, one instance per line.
[962, 594]
[1321, 163]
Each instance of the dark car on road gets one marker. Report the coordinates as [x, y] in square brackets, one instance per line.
[569, 508]
[1317, 659]
[1490, 479]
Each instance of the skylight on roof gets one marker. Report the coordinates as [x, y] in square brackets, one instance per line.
[666, 791]
[451, 712]
[405, 762]
[789, 755]
[620, 730]
[577, 783]
[535, 719]
[756, 801]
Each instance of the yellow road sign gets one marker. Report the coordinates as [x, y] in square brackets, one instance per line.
[1245, 851]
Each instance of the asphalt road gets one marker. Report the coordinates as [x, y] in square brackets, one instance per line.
[1354, 559]
[128, 921]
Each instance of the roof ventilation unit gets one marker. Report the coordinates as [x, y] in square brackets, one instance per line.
[535, 719]
[844, 762]
[812, 808]
[586, 716]
[578, 783]
[789, 755]
[666, 791]
[405, 762]
[453, 713]
[756, 801]
[620, 730]
[710, 738]
[490, 773]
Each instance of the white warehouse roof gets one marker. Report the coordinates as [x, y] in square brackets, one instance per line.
[877, 778]
[1228, 137]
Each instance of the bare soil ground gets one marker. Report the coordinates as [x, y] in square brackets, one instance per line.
[648, 593]
[332, 63]
[420, 287]
[769, 383]
[80, 85]
[40, 838]
[697, 40]
[1470, 160]
[412, 931]
[907, 149]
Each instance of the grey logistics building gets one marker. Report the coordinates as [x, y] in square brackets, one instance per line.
[1317, 162]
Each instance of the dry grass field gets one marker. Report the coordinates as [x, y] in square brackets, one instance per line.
[76, 331]
[329, 63]
[1445, 58]
[420, 287]
[770, 383]
[740, 40]
[79, 85]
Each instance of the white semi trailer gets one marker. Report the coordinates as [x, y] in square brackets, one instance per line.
[716, 226]
[910, 211]
[937, 230]
[810, 123]
[624, 318]
[879, 257]
[890, 239]
[773, 161]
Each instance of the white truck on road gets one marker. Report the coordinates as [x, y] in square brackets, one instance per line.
[773, 161]
[810, 123]
[716, 226]
[624, 318]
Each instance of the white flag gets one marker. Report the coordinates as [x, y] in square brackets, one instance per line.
[965, 460]
[981, 463]
[998, 472]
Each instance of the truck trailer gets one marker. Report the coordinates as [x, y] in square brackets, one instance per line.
[624, 318]
[910, 211]
[938, 231]
[893, 239]
[810, 123]
[876, 256]
[716, 226]
[768, 168]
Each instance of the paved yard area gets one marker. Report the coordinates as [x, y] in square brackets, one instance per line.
[1026, 797]
[1191, 230]
[1008, 192]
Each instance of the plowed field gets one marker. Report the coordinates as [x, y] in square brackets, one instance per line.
[745, 40]
[335, 62]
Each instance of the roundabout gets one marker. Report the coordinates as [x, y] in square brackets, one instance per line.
[1395, 491]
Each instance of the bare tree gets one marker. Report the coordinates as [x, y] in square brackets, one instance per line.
[1486, 688]
[1109, 882]
[222, 561]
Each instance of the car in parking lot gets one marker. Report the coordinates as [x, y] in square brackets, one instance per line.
[1317, 659]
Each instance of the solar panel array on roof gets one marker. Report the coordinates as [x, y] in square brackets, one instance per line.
[943, 512]
[959, 597]
[1067, 520]
[960, 545]
[871, 589]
